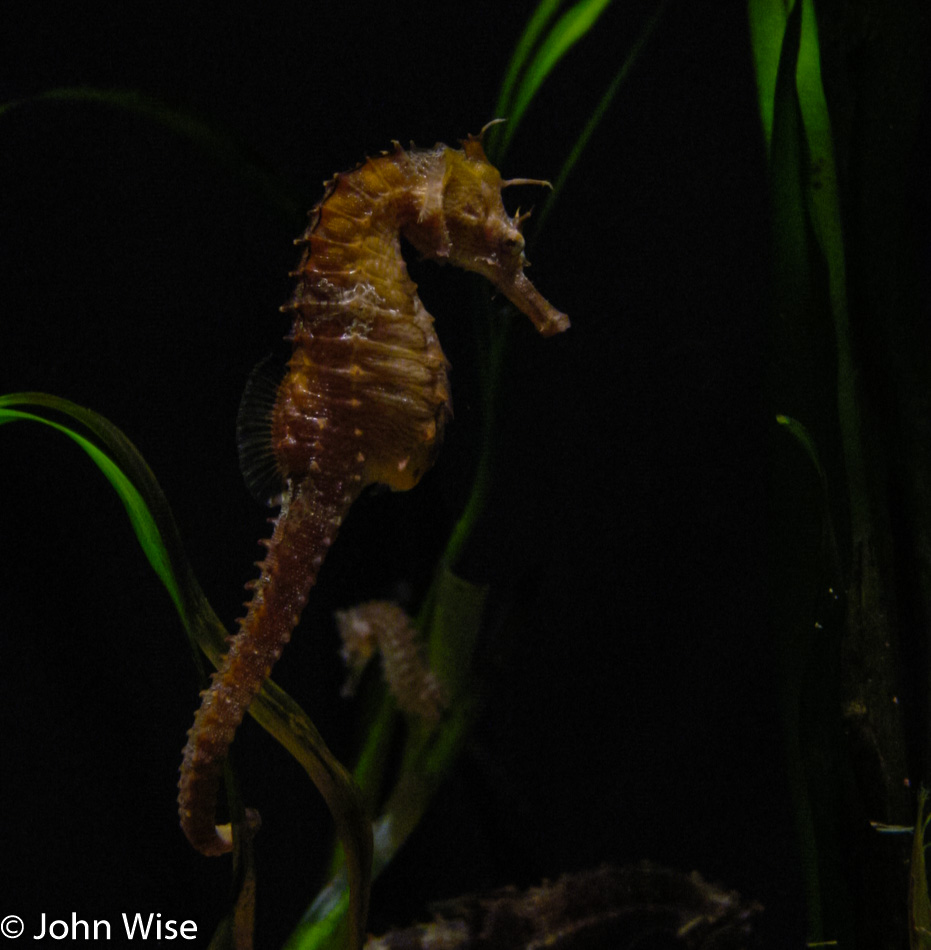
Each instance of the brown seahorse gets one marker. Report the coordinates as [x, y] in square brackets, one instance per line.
[384, 626]
[364, 398]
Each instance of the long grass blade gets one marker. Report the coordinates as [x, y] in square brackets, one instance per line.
[140, 518]
[154, 525]
[537, 23]
[919, 901]
[565, 33]
[598, 114]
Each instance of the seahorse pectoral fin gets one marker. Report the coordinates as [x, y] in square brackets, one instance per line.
[257, 460]
[516, 286]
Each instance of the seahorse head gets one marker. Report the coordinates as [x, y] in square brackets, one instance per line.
[466, 224]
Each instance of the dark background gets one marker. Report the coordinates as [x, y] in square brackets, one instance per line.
[634, 709]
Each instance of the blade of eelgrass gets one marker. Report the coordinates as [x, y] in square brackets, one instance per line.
[154, 525]
[919, 901]
[782, 49]
[565, 33]
[139, 516]
[803, 436]
[775, 39]
[809, 245]
[826, 220]
[831, 553]
[820, 201]
[219, 145]
[767, 21]
[540, 17]
[597, 115]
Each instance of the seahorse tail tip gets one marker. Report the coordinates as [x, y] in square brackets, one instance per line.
[212, 845]
[221, 841]
[224, 837]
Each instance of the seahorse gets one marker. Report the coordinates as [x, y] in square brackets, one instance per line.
[384, 626]
[364, 399]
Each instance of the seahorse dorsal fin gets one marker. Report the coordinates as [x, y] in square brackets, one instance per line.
[254, 430]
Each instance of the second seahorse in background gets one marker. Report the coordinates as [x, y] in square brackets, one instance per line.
[364, 399]
[383, 626]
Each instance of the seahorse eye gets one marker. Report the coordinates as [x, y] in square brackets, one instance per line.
[514, 244]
